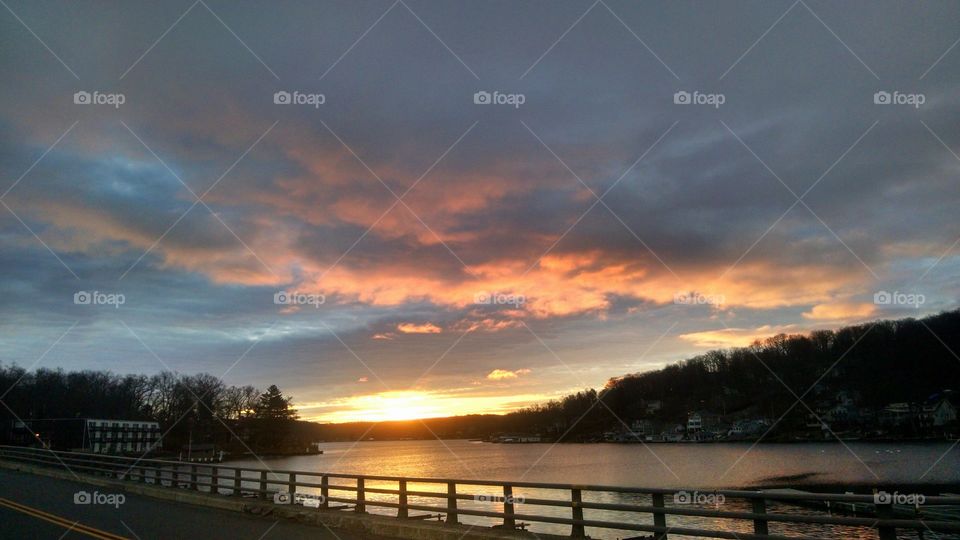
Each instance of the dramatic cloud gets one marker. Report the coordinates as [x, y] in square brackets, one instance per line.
[448, 238]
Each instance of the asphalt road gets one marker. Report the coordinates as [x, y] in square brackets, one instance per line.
[38, 507]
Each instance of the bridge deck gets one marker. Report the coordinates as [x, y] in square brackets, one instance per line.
[138, 517]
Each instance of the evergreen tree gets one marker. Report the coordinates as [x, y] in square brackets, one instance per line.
[274, 406]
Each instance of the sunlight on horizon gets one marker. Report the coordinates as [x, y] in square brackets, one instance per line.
[400, 405]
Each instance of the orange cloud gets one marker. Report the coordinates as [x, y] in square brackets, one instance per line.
[562, 283]
[413, 328]
[487, 325]
[735, 337]
[840, 311]
[502, 374]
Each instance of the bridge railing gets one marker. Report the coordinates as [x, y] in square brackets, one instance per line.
[455, 498]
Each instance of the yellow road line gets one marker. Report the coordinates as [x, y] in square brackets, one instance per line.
[61, 521]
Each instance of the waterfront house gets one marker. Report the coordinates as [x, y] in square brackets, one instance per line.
[897, 414]
[641, 428]
[938, 411]
[747, 428]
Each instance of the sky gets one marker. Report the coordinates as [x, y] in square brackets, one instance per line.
[401, 209]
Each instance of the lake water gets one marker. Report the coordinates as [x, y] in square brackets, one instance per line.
[675, 466]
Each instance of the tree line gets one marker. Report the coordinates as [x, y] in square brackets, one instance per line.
[192, 409]
[876, 364]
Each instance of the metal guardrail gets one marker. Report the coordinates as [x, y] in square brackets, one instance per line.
[261, 483]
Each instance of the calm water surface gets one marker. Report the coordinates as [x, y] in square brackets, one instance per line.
[680, 466]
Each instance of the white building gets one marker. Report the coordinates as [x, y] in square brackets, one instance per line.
[103, 436]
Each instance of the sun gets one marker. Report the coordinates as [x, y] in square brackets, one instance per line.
[405, 405]
[396, 405]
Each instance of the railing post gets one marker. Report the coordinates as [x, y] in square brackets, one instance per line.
[508, 521]
[659, 518]
[214, 481]
[576, 497]
[885, 511]
[361, 497]
[143, 475]
[263, 485]
[325, 492]
[452, 515]
[236, 482]
[402, 500]
[292, 486]
[193, 477]
[760, 524]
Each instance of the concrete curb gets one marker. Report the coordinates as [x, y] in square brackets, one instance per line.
[362, 523]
